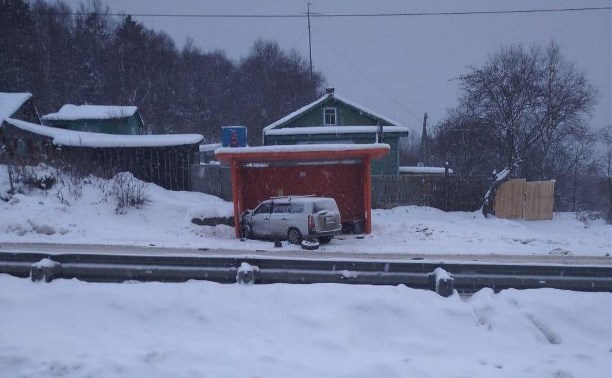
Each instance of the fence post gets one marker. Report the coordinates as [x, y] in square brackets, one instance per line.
[446, 165]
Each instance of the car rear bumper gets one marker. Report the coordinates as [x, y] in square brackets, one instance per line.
[324, 233]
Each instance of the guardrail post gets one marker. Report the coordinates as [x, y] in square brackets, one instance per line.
[442, 282]
[45, 269]
[246, 274]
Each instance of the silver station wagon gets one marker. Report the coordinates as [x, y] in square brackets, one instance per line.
[293, 218]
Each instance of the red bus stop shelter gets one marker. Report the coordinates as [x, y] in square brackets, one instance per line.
[340, 171]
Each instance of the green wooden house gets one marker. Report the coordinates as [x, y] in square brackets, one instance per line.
[333, 119]
[123, 120]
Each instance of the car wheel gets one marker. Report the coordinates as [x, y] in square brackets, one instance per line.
[247, 231]
[294, 236]
[325, 239]
[310, 245]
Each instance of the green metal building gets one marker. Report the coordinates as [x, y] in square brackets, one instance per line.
[333, 119]
[122, 120]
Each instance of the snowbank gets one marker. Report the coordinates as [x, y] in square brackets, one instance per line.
[200, 329]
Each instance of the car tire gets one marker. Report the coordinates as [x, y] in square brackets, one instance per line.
[325, 239]
[310, 245]
[247, 231]
[294, 236]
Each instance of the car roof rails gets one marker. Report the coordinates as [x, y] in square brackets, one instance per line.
[294, 195]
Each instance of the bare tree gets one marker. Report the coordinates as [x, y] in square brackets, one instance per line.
[606, 140]
[533, 99]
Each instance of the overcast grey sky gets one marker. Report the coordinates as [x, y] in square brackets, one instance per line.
[400, 67]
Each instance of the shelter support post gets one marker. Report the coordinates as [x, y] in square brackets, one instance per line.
[367, 194]
[236, 195]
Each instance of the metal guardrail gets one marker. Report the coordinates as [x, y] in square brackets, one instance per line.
[466, 277]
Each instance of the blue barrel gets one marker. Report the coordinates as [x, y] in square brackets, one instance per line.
[234, 136]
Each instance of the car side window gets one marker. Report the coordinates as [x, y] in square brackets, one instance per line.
[296, 208]
[280, 208]
[264, 209]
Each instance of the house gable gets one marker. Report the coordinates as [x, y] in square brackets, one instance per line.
[18, 106]
[347, 113]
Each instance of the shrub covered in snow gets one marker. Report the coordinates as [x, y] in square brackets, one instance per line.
[129, 191]
[41, 176]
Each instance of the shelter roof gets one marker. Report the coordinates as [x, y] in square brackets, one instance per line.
[302, 152]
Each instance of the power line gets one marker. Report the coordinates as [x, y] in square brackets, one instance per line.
[464, 13]
[368, 78]
[341, 15]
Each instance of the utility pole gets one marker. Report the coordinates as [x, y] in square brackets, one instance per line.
[309, 43]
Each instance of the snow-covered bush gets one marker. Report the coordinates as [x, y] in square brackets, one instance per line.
[129, 191]
[69, 187]
[41, 176]
[24, 179]
[588, 216]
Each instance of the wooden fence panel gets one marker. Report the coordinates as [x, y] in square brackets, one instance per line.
[510, 199]
[539, 200]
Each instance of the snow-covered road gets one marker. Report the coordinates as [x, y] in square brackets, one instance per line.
[291, 252]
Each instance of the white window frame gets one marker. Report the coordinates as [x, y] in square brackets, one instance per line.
[335, 110]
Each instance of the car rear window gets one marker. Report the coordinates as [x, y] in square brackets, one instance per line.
[326, 204]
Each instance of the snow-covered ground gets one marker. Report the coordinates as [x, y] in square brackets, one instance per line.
[69, 328]
[58, 215]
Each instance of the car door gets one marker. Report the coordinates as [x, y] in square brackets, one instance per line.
[278, 219]
[261, 220]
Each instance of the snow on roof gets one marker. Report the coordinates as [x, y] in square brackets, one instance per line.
[336, 130]
[209, 147]
[302, 148]
[428, 170]
[296, 113]
[11, 102]
[62, 137]
[319, 101]
[71, 112]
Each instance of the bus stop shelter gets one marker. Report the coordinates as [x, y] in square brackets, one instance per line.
[340, 171]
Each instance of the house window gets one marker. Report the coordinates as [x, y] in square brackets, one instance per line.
[329, 116]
